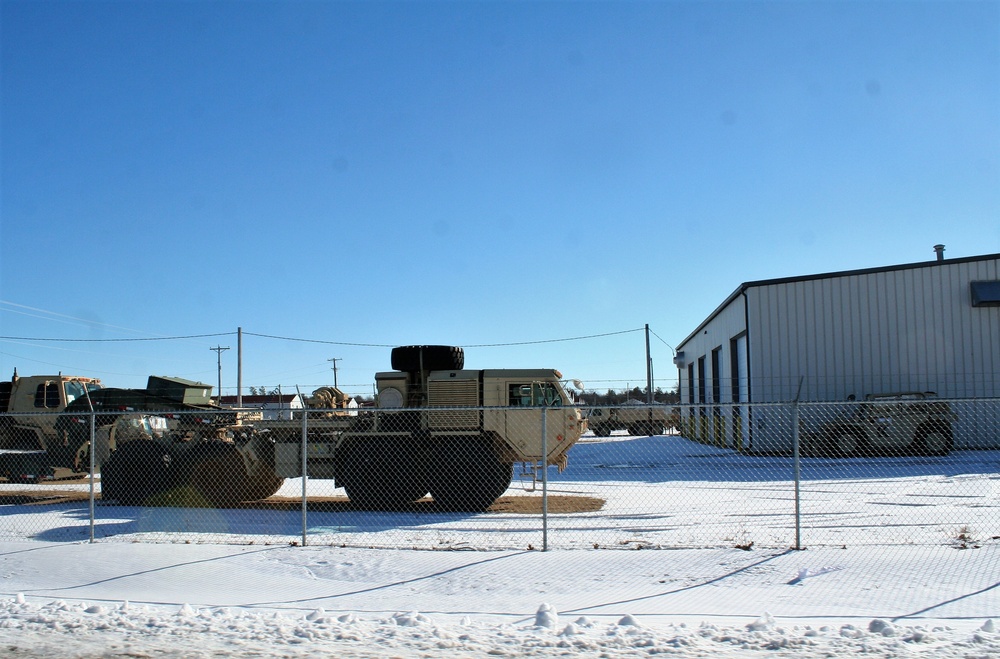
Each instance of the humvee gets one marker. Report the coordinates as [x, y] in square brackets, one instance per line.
[890, 423]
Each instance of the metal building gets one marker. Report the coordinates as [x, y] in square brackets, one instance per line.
[929, 326]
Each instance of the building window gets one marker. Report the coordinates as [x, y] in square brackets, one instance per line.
[985, 293]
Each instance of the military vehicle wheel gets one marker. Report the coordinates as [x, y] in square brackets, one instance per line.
[933, 440]
[380, 474]
[216, 472]
[847, 444]
[432, 358]
[469, 475]
[262, 482]
[135, 472]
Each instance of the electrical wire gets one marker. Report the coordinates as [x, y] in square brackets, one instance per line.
[301, 340]
[152, 338]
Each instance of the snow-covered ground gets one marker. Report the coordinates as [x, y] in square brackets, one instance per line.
[901, 558]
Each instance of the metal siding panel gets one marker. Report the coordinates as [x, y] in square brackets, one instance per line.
[803, 337]
[771, 376]
[916, 360]
[888, 339]
[831, 352]
[756, 345]
[778, 313]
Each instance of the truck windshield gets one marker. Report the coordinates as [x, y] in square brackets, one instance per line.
[76, 389]
[536, 394]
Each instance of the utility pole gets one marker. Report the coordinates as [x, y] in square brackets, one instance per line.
[218, 351]
[239, 367]
[649, 371]
[335, 360]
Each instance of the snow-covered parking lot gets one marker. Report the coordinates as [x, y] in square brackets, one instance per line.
[901, 558]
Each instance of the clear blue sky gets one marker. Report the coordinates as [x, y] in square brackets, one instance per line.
[466, 173]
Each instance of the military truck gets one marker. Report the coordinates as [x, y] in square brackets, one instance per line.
[636, 418]
[32, 447]
[885, 424]
[442, 429]
[437, 428]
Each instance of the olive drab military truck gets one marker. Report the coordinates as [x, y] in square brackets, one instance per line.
[32, 445]
[437, 429]
[636, 419]
[885, 424]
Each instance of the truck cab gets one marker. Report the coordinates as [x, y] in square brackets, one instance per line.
[30, 442]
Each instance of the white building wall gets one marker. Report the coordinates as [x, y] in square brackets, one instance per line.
[716, 425]
[729, 322]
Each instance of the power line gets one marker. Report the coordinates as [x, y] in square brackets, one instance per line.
[335, 343]
[471, 345]
[571, 338]
[332, 343]
[672, 349]
[153, 338]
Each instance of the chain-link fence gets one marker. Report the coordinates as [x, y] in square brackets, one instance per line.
[905, 470]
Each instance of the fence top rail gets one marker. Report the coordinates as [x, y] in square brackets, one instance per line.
[831, 403]
[312, 411]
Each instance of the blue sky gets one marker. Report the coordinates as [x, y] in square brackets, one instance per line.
[467, 173]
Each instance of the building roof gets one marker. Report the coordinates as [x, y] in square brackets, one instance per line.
[830, 275]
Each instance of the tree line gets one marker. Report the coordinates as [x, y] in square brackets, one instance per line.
[612, 397]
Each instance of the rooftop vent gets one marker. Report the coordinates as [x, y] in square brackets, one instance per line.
[939, 250]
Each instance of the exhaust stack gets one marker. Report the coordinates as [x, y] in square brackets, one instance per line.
[939, 250]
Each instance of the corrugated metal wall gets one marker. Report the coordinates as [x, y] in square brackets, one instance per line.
[898, 330]
[893, 330]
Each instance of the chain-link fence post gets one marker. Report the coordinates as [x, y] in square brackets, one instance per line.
[305, 458]
[545, 481]
[798, 473]
[93, 468]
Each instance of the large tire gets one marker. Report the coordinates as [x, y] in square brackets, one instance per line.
[381, 473]
[216, 472]
[136, 472]
[262, 482]
[847, 443]
[469, 475]
[933, 439]
[432, 358]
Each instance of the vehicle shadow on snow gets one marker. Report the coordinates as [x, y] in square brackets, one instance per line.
[664, 458]
[274, 521]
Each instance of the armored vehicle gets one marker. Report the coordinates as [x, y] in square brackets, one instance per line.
[891, 423]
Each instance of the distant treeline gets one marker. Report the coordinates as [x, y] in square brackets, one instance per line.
[612, 397]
